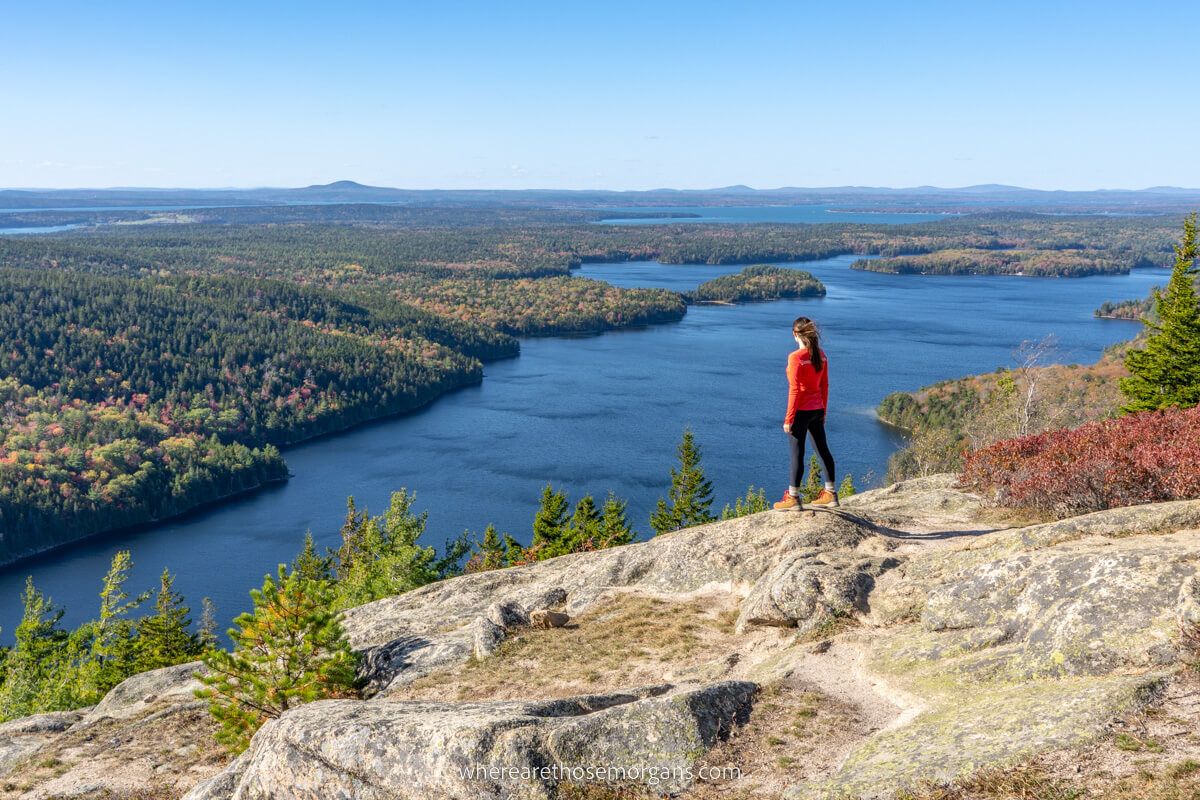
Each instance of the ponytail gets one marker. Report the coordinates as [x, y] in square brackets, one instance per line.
[806, 329]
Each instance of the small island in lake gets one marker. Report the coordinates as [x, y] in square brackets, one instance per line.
[1134, 310]
[759, 282]
[1063, 263]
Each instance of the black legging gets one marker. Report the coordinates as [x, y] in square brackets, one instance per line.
[804, 423]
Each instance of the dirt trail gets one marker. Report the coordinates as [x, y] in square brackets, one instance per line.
[840, 673]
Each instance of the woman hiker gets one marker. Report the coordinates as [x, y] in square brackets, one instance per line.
[808, 397]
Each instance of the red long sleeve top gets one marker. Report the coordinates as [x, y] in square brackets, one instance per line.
[808, 389]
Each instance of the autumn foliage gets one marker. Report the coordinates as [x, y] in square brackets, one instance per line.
[1139, 458]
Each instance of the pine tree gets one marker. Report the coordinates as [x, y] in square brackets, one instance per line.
[614, 526]
[491, 552]
[1166, 371]
[206, 636]
[846, 488]
[450, 562]
[34, 680]
[754, 501]
[114, 653]
[289, 650]
[691, 493]
[352, 532]
[583, 532]
[311, 564]
[514, 553]
[550, 523]
[813, 483]
[380, 556]
[164, 638]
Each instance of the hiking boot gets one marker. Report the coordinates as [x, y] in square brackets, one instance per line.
[789, 503]
[826, 498]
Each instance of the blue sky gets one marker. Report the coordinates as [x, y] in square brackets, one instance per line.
[619, 95]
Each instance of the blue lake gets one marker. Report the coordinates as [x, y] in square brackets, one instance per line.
[604, 412]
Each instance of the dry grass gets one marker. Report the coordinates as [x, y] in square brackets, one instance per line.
[794, 735]
[156, 755]
[628, 640]
[1179, 781]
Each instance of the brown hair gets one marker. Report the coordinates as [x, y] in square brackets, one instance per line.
[806, 329]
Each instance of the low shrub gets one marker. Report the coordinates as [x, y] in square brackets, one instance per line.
[1139, 458]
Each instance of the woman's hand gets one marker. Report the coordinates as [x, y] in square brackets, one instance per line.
[787, 428]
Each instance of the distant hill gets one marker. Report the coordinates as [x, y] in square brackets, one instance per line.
[966, 198]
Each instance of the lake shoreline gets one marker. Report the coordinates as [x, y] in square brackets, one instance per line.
[200, 508]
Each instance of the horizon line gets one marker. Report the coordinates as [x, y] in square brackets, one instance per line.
[743, 188]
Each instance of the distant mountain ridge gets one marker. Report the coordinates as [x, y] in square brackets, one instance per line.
[350, 191]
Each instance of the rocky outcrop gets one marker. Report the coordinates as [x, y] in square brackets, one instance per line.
[813, 589]
[964, 645]
[1024, 640]
[20, 737]
[465, 751]
[407, 637]
[149, 736]
[167, 686]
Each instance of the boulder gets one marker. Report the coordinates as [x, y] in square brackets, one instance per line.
[408, 636]
[487, 636]
[1086, 607]
[508, 615]
[465, 751]
[132, 696]
[812, 589]
[545, 619]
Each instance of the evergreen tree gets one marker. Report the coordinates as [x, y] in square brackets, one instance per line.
[34, 680]
[583, 532]
[352, 533]
[754, 501]
[113, 635]
[289, 650]
[206, 637]
[813, 483]
[449, 563]
[690, 497]
[550, 523]
[614, 527]
[514, 553]
[1166, 371]
[846, 488]
[311, 564]
[491, 552]
[380, 556]
[164, 638]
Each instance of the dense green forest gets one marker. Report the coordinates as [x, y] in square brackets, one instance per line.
[128, 400]
[1036, 263]
[760, 282]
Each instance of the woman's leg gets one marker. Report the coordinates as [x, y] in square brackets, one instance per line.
[796, 442]
[816, 428]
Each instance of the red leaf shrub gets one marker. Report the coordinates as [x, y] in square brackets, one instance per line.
[1139, 458]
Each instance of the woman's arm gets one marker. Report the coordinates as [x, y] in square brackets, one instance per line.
[795, 387]
[825, 381]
